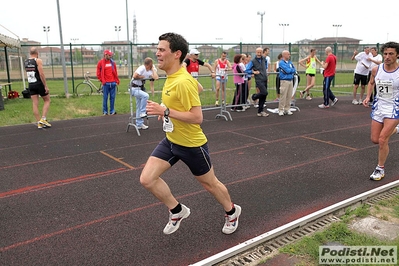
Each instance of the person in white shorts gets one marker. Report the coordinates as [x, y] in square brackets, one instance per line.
[361, 73]
[375, 60]
[385, 108]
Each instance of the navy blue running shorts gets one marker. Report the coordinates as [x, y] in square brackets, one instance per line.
[196, 158]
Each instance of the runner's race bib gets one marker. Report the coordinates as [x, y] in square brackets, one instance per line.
[167, 124]
[194, 75]
[385, 88]
[31, 76]
[222, 73]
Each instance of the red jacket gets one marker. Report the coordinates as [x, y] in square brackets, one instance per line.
[101, 72]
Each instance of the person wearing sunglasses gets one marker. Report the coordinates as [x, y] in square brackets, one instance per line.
[192, 63]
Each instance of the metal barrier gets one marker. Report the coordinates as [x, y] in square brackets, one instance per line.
[228, 102]
[133, 109]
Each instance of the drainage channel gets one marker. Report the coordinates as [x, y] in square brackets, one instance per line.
[270, 248]
[266, 245]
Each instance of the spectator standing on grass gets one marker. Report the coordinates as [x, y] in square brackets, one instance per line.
[240, 94]
[37, 86]
[329, 74]
[286, 73]
[248, 59]
[277, 69]
[311, 68]
[384, 112]
[376, 59]
[266, 52]
[107, 73]
[182, 117]
[221, 66]
[361, 73]
[192, 64]
[145, 71]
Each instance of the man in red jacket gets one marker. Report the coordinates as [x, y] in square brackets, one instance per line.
[107, 73]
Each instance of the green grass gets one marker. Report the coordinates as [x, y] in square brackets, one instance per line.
[391, 202]
[19, 111]
[308, 247]
[338, 233]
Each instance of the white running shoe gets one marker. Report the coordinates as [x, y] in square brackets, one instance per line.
[142, 127]
[334, 102]
[289, 112]
[175, 219]
[231, 223]
[378, 174]
[355, 102]
[262, 114]
[322, 106]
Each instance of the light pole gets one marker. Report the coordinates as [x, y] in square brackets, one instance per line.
[336, 31]
[261, 26]
[118, 29]
[46, 29]
[284, 25]
[74, 52]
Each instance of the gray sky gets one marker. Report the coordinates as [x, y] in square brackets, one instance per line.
[202, 22]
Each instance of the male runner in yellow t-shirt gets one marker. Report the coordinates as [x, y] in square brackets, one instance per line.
[182, 115]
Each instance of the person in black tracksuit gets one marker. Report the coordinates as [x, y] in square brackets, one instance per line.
[258, 67]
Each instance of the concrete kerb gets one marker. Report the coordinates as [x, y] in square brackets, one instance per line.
[338, 207]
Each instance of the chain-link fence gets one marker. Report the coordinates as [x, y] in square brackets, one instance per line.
[83, 58]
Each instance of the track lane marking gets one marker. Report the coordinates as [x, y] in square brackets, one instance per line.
[117, 160]
[330, 143]
[76, 227]
[83, 225]
[110, 217]
[57, 183]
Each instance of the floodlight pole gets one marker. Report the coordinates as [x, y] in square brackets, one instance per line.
[261, 26]
[284, 25]
[336, 26]
[46, 29]
[118, 29]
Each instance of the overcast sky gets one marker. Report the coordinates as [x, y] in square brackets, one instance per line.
[206, 21]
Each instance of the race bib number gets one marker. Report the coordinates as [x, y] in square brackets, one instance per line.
[194, 75]
[385, 88]
[167, 124]
[31, 76]
[222, 73]
[313, 65]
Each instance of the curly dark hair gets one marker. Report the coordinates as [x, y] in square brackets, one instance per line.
[176, 43]
[394, 45]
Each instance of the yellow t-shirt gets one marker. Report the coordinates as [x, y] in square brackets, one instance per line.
[180, 92]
